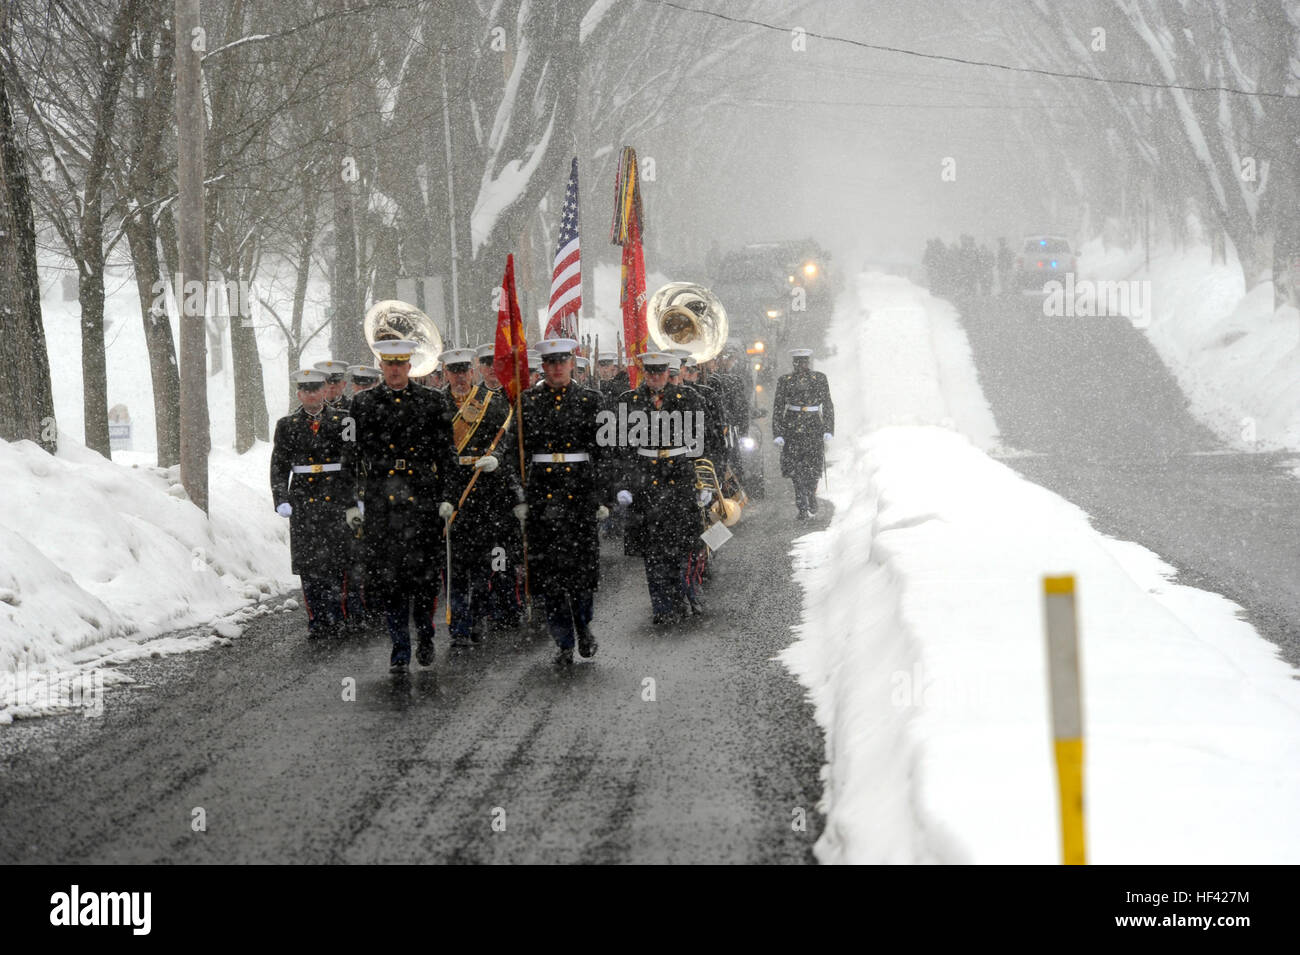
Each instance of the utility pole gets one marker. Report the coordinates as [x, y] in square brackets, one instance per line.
[191, 120]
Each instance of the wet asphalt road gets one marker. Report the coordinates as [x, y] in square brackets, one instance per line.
[1110, 431]
[488, 756]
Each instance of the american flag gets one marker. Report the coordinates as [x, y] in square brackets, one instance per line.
[566, 277]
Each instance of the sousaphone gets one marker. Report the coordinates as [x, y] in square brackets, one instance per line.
[687, 315]
[392, 319]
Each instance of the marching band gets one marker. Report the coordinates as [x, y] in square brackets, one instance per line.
[398, 491]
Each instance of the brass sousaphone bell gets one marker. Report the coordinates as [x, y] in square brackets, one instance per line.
[391, 319]
[686, 315]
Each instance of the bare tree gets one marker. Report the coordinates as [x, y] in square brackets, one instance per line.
[66, 76]
[26, 403]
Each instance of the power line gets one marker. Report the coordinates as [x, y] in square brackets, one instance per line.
[969, 62]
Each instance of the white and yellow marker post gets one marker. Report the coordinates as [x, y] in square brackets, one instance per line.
[1067, 711]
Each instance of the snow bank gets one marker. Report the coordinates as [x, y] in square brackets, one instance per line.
[1236, 359]
[922, 647]
[97, 558]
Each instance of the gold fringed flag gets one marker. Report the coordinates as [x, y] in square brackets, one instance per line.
[510, 357]
[626, 231]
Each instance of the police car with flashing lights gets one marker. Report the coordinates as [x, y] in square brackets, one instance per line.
[1042, 259]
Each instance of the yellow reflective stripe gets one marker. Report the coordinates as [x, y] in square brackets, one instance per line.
[1069, 777]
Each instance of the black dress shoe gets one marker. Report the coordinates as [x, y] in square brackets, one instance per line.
[587, 644]
[424, 654]
[565, 657]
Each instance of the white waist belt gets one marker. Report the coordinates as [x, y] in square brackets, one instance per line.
[803, 407]
[560, 458]
[661, 452]
[316, 468]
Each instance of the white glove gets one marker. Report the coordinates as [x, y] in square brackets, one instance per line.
[602, 512]
[354, 517]
[445, 510]
[521, 511]
[285, 509]
[625, 498]
[487, 463]
[826, 436]
[361, 506]
[705, 496]
[779, 442]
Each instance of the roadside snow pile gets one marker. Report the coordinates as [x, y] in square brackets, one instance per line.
[1236, 359]
[922, 647]
[96, 558]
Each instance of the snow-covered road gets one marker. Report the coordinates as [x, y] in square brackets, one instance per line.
[923, 644]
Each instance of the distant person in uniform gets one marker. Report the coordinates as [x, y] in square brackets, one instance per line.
[611, 380]
[362, 378]
[803, 422]
[487, 366]
[336, 373]
[1006, 262]
[311, 489]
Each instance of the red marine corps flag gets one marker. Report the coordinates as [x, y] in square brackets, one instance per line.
[510, 358]
[566, 276]
[626, 231]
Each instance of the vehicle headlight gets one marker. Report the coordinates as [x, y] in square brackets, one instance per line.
[810, 269]
[773, 313]
[747, 443]
[758, 346]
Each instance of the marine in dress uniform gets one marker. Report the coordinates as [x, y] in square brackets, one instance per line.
[487, 366]
[313, 491]
[535, 367]
[567, 490]
[483, 441]
[658, 484]
[336, 374]
[803, 421]
[715, 418]
[362, 378]
[737, 387]
[612, 381]
[403, 441]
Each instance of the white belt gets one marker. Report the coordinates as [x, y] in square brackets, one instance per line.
[661, 452]
[316, 468]
[548, 458]
[803, 407]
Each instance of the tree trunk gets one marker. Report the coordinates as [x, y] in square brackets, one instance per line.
[250, 393]
[190, 120]
[163, 372]
[345, 323]
[306, 242]
[26, 403]
[94, 366]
